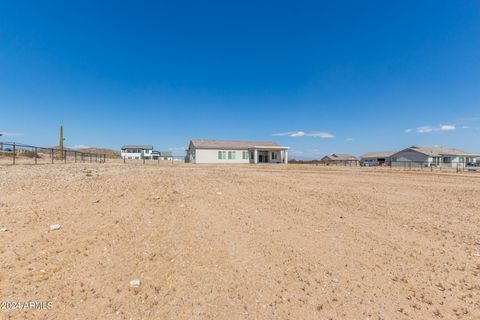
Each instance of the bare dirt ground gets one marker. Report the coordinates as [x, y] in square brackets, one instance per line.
[239, 242]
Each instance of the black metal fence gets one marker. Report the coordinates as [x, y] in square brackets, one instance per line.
[19, 153]
[400, 165]
[342, 163]
[159, 160]
[431, 166]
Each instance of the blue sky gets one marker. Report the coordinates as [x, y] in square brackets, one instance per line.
[318, 76]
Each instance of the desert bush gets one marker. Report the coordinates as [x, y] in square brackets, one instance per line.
[6, 154]
[29, 154]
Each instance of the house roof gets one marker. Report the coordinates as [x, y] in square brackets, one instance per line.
[231, 144]
[138, 146]
[437, 151]
[340, 157]
[162, 153]
[379, 154]
[165, 154]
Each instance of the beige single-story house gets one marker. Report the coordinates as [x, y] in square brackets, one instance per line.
[340, 159]
[231, 151]
[377, 158]
[433, 157]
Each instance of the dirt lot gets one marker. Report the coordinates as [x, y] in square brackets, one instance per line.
[245, 242]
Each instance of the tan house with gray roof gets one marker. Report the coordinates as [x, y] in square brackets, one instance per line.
[432, 157]
[340, 159]
[232, 151]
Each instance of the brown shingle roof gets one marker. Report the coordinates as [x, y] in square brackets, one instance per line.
[230, 144]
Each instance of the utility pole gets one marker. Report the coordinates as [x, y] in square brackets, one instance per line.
[61, 141]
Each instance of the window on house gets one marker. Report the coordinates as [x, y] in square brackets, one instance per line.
[245, 155]
[232, 155]
[251, 155]
[274, 156]
[447, 160]
[221, 155]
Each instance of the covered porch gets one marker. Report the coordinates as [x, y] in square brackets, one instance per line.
[267, 154]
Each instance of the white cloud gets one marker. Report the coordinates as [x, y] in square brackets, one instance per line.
[447, 127]
[424, 129]
[443, 127]
[408, 130]
[297, 134]
[10, 134]
[465, 127]
[80, 146]
[349, 139]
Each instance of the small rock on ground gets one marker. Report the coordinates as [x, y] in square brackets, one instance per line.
[135, 283]
[55, 226]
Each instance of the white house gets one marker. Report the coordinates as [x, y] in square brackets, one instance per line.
[222, 151]
[433, 156]
[137, 151]
[377, 158]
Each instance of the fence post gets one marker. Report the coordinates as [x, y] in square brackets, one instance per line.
[91, 159]
[14, 153]
[51, 154]
[123, 159]
[65, 156]
[143, 160]
[36, 154]
[104, 158]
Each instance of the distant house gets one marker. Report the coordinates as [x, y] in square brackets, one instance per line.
[377, 158]
[162, 155]
[136, 151]
[433, 156]
[340, 159]
[223, 151]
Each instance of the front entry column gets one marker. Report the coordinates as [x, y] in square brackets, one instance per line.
[285, 158]
[255, 156]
